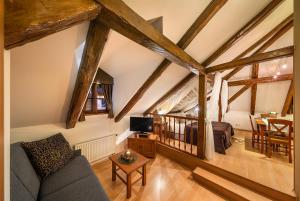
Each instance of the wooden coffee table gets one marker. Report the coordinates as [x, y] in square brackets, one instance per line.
[128, 169]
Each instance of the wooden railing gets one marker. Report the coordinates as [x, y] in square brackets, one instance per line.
[178, 132]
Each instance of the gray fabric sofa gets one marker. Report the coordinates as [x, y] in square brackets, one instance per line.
[74, 182]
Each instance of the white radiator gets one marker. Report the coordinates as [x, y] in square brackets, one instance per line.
[98, 149]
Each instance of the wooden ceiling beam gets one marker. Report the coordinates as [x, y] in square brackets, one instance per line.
[288, 100]
[94, 45]
[229, 43]
[255, 67]
[258, 58]
[261, 80]
[280, 30]
[118, 16]
[27, 21]
[240, 92]
[243, 31]
[157, 23]
[185, 40]
[277, 32]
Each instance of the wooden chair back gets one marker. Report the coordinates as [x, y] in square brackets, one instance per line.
[280, 126]
[283, 135]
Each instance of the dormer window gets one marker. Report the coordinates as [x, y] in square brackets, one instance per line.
[96, 103]
[99, 100]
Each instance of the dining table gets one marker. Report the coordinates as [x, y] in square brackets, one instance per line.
[262, 124]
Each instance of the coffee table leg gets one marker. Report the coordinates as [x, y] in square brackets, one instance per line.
[128, 185]
[144, 175]
[114, 170]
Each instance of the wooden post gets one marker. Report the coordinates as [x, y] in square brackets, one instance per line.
[2, 101]
[255, 69]
[288, 100]
[201, 138]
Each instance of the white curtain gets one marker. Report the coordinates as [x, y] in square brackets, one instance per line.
[224, 98]
[212, 115]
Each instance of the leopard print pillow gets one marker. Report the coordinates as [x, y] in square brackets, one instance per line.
[48, 155]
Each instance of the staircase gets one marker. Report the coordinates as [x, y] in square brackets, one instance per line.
[224, 187]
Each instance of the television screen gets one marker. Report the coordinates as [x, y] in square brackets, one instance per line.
[141, 124]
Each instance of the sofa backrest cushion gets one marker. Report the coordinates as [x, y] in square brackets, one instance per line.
[25, 183]
[48, 155]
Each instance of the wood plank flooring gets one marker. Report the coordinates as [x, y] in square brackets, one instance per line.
[166, 181]
[274, 172]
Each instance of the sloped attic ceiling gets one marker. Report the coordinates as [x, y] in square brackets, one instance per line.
[48, 67]
[136, 60]
[266, 92]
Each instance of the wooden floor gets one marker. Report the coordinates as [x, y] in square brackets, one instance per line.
[166, 181]
[274, 172]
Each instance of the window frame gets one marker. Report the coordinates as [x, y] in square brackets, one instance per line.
[95, 94]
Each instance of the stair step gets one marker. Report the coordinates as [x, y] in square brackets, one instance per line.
[224, 187]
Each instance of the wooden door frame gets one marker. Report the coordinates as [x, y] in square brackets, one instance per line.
[2, 101]
[297, 97]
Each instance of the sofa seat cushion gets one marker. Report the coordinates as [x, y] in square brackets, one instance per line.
[18, 191]
[25, 183]
[86, 189]
[76, 169]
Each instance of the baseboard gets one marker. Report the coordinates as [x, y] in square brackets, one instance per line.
[192, 162]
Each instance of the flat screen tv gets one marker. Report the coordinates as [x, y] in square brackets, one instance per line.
[141, 124]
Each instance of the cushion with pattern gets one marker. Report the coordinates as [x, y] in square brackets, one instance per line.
[48, 155]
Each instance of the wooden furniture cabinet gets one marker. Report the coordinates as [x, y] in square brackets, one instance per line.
[143, 145]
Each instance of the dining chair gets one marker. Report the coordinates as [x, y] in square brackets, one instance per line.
[255, 133]
[280, 133]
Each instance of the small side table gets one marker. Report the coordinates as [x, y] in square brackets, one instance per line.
[128, 169]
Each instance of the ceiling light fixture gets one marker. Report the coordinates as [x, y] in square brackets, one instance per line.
[278, 73]
[284, 66]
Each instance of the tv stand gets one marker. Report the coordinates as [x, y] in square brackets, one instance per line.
[143, 144]
[142, 134]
